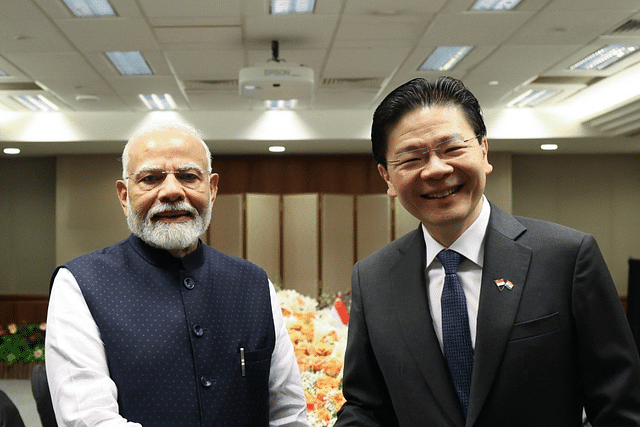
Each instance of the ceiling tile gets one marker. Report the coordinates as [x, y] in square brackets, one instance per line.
[206, 64]
[91, 35]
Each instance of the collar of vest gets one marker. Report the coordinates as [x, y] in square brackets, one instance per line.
[162, 258]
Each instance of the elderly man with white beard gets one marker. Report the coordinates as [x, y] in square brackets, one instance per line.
[161, 329]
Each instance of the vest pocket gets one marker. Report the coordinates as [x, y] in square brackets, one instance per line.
[255, 362]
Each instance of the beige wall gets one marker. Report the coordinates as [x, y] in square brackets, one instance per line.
[88, 213]
[27, 210]
[593, 193]
[77, 209]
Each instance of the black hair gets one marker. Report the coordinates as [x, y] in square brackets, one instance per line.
[419, 93]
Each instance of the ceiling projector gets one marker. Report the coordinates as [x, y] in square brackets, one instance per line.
[276, 81]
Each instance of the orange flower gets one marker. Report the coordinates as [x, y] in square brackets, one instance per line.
[322, 349]
[323, 415]
[311, 401]
[307, 315]
[327, 383]
[332, 366]
[13, 328]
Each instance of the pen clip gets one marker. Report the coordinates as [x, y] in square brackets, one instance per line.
[243, 363]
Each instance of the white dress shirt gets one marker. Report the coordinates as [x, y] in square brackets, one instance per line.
[84, 394]
[471, 245]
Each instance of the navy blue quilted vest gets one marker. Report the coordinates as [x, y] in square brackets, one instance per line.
[177, 331]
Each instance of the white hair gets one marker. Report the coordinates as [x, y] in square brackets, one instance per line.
[181, 127]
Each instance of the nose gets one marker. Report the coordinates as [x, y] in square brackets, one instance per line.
[171, 190]
[435, 167]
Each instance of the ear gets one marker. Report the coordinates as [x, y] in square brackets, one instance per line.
[484, 146]
[384, 173]
[213, 186]
[121, 188]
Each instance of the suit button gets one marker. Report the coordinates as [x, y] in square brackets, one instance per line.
[198, 330]
[189, 283]
[206, 382]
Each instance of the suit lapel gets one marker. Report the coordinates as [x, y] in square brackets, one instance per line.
[506, 259]
[416, 326]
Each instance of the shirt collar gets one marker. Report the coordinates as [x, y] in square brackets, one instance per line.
[470, 244]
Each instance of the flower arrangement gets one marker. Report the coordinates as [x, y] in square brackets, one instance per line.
[319, 339]
[22, 343]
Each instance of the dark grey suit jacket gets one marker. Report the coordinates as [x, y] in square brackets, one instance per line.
[555, 343]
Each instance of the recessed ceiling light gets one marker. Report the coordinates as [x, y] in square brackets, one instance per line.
[494, 83]
[12, 151]
[276, 149]
[549, 147]
[444, 58]
[155, 101]
[604, 57]
[130, 63]
[281, 104]
[36, 102]
[292, 6]
[531, 98]
[84, 8]
[495, 4]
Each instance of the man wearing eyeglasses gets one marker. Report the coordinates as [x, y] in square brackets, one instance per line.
[161, 329]
[477, 318]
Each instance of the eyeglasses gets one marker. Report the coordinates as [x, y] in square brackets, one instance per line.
[149, 179]
[445, 150]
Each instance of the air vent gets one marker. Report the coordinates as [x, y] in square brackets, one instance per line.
[622, 121]
[630, 27]
[20, 86]
[353, 83]
[210, 85]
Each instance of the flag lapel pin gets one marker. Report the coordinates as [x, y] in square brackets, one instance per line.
[502, 284]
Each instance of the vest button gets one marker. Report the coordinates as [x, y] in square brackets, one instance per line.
[206, 382]
[189, 283]
[198, 330]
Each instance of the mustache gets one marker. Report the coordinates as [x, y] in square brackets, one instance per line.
[171, 207]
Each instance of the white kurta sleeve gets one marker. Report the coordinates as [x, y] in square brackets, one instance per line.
[82, 391]
[287, 406]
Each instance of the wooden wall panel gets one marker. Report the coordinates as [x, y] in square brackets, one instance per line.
[300, 243]
[264, 234]
[338, 248]
[284, 174]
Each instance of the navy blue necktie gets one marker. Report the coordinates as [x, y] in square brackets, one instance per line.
[456, 336]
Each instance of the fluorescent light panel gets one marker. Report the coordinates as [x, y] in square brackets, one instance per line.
[292, 6]
[36, 102]
[84, 8]
[604, 57]
[158, 101]
[495, 4]
[444, 58]
[531, 98]
[129, 63]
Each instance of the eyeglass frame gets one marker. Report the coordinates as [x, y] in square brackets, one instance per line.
[423, 151]
[182, 170]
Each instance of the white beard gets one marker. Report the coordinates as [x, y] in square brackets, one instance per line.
[169, 236]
